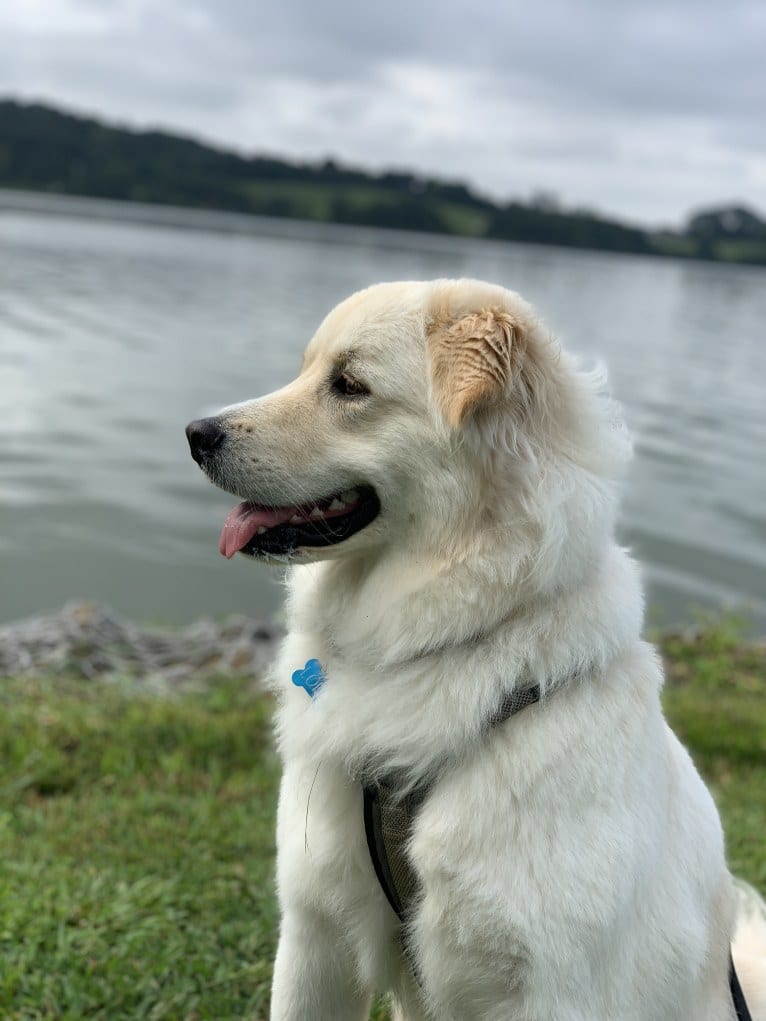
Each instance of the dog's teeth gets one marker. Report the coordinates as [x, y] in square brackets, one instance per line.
[337, 505]
[350, 496]
[296, 519]
[261, 530]
[316, 513]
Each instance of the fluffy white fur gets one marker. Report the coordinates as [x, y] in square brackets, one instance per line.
[571, 862]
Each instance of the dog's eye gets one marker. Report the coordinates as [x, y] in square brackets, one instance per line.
[346, 386]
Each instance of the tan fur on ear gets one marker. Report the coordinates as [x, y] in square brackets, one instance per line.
[474, 359]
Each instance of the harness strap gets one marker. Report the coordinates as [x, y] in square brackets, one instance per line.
[388, 821]
[513, 702]
[389, 817]
[373, 830]
[740, 1006]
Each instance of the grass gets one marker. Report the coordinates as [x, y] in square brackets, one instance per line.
[715, 700]
[136, 851]
[136, 834]
[736, 250]
[317, 202]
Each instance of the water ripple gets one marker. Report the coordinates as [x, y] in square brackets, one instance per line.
[114, 334]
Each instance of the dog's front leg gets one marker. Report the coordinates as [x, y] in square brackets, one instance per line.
[314, 977]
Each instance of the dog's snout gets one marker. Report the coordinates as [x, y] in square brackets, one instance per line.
[204, 435]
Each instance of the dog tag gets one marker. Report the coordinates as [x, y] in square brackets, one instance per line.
[310, 678]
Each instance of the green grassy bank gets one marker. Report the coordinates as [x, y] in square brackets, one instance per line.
[136, 834]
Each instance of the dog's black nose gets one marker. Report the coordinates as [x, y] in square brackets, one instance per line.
[204, 435]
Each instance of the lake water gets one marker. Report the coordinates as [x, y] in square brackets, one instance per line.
[120, 323]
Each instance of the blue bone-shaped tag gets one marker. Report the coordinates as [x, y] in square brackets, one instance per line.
[310, 677]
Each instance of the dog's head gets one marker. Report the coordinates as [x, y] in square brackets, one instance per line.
[425, 415]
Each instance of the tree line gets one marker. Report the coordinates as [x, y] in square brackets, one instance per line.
[45, 149]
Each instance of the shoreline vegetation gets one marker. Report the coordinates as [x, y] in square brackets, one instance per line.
[47, 150]
[138, 788]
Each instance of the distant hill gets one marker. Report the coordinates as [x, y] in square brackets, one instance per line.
[45, 149]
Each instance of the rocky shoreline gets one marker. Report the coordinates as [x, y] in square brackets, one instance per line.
[91, 641]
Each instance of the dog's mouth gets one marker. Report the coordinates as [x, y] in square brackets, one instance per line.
[257, 530]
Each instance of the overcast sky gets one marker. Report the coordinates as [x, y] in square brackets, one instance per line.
[645, 109]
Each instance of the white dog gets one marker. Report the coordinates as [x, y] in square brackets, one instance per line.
[442, 479]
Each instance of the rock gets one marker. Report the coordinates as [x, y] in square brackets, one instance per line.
[91, 641]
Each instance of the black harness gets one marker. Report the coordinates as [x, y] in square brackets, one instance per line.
[740, 1006]
[389, 817]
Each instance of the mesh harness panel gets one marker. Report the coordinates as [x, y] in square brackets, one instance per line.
[388, 822]
[389, 818]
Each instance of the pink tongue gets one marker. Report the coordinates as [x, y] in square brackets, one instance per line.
[245, 520]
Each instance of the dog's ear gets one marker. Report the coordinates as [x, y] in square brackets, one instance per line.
[475, 360]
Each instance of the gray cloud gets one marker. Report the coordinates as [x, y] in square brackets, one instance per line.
[643, 110]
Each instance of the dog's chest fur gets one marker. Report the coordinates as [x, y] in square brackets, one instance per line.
[525, 845]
